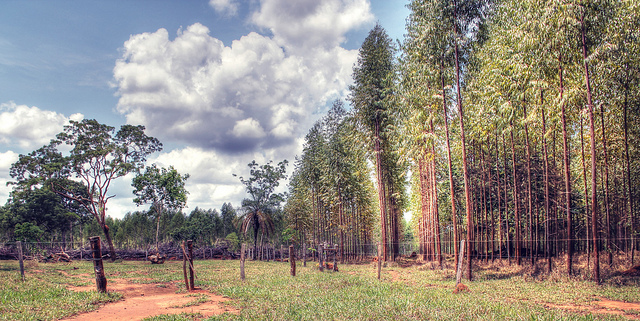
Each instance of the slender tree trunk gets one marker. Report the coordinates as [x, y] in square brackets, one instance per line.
[499, 193]
[436, 214]
[594, 208]
[256, 227]
[381, 192]
[529, 192]
[509, 240]
[567, 173]
[547, 209]
[629, 190]
[517, 236]
[451, 185]
[465, 170]
[606, 190]
[107, 235]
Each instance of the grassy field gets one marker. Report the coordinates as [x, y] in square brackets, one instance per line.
[416, 292]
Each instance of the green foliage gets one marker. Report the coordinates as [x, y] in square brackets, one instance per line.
[28, 232]
[234, 241]
[263, 201]
[163, 188]
[98, 156]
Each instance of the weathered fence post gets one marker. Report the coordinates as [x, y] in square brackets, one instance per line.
[335, 263]
[459, 272]
[101, 281]
[184, 265]
[304, 254]
[242, 257]
[292, 260]
[320, 258]
[191, 277]
[379, 259]
[19, 245]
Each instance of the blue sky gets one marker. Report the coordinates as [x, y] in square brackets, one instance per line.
[219, 82]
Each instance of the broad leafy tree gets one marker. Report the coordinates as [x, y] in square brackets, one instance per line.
[163, 188]
[98, 156]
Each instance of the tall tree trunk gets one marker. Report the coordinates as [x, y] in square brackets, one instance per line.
[629, 190]
[606, 189]
[529, 192]
[107, 235]
[465, 170]
[381, 193]
[451, 186]
[506, 200]
[499, 193]
[547, 220]
[436, 214]
[594, 208]
[567, 173]
[256, 227]
[516, 212]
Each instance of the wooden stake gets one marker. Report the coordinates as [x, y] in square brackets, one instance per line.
[335, 253]
[184, 265]
[460, 259]
[101, 281]
[321, 258]
[242, 258]
[191, 277]
[379, 259]
[292, 260]
[19, 245]
[304, 254]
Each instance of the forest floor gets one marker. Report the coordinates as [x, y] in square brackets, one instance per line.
[408, 289]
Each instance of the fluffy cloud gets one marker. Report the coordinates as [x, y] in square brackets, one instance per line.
[259, 93]
[308, 24]
[226, 7]
[30, 127]
[6, 159]
[211, 182]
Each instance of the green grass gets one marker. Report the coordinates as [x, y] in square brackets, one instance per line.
[270, 293]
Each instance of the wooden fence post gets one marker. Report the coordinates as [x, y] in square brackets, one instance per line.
[184, 265]
[335, 263]
[191, 277]
[304, 254]
[460, 259]
[379, 259]
[101, 280]
[320, 258]
[242, 258]
[19, 245]
[292, 260]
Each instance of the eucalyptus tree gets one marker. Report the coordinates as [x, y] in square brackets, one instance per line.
[163, 188]
[620, 85]
[263, 200]
[98, 156]
[371, 99]
[426, 51]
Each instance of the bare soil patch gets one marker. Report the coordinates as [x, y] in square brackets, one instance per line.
[604, 306]
[147, 300]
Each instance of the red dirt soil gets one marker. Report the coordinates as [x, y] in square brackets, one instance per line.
[147, 300]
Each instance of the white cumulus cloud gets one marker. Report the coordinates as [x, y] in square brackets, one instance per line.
[226, 7]
[258, 93]
[304, 24]
[30, 127]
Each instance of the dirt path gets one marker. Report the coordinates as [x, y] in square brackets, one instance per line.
[147, 300]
